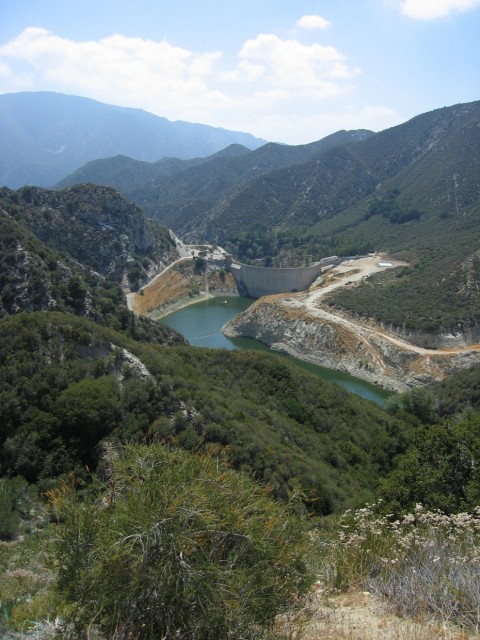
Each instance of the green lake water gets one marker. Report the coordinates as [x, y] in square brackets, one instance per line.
[201, 325]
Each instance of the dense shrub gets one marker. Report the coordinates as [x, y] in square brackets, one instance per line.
[440, 470]
[11, 491]
[65, 385]
[176, 546]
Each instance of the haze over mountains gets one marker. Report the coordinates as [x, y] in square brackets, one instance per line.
[47, 135]
[432, 160]
[181, 194]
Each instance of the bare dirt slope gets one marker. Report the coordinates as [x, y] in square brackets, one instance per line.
[359, 615]
[352, 271]
[303, 326]
[177, 286]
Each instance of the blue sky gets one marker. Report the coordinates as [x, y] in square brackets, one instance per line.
[290, 71]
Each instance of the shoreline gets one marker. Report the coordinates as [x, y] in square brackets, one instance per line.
[181, 303]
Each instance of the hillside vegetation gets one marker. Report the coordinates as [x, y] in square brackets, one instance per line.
[151, 489]
[67, 384]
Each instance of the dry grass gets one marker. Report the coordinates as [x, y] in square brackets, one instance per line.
[384, 578]
[164, 290]
[177, 286]
[360, 615]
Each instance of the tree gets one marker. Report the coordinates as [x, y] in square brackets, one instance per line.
[441, 470]
[88, 410]
[199, 265]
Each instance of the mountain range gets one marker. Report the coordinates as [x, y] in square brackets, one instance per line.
[412, 191]
[431, 160]
[182, 194]
[47, 135]
[83, 380]
[67, 337]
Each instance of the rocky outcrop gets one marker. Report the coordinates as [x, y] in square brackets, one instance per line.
[98, 227]
[336, 344]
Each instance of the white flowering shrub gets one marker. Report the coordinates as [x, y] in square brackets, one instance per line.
[425, 561]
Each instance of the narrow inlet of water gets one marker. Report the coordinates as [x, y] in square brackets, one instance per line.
[201, 324]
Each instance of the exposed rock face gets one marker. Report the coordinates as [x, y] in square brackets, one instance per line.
[338, 345]
[98, 227]
[33, 277]
[95, 225]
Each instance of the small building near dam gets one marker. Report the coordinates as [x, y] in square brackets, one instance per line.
[256, 282]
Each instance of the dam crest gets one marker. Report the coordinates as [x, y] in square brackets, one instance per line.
[255, 282]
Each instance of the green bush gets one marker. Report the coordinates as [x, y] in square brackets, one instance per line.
[440, 470]
[176, 546]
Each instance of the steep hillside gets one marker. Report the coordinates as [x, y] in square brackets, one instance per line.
[432, 160]
[97, 226]
[48, 135]
[66, 384]
[71, 251]
[412, 191]
[125, 174]
[178, 194]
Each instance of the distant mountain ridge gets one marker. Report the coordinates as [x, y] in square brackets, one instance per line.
[47, 135]
[180, 192]
[433, 160]
[431, 163]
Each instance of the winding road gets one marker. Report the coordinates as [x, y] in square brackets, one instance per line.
[349, 272]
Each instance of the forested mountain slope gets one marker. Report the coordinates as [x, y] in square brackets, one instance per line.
[179, 192]
[96, 225]
[72, 251]
[67, 383]
[412, 190]
[433, 161]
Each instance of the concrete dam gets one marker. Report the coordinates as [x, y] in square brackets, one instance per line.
[256, 282]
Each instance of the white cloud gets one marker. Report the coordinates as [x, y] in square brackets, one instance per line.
[340, 70]
[313, 22]
[276, 81]
[245, 71]
[132, 71]
[291, 64]
[5, 70]
[299, 128]
[432, 9]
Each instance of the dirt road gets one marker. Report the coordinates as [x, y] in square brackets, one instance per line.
[349, 272]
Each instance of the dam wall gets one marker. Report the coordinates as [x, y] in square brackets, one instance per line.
[256, 282]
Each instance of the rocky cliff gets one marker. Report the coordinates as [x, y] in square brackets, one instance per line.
[96, 226]
[342, 345]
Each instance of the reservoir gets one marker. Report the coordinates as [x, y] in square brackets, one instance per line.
[201, 324]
